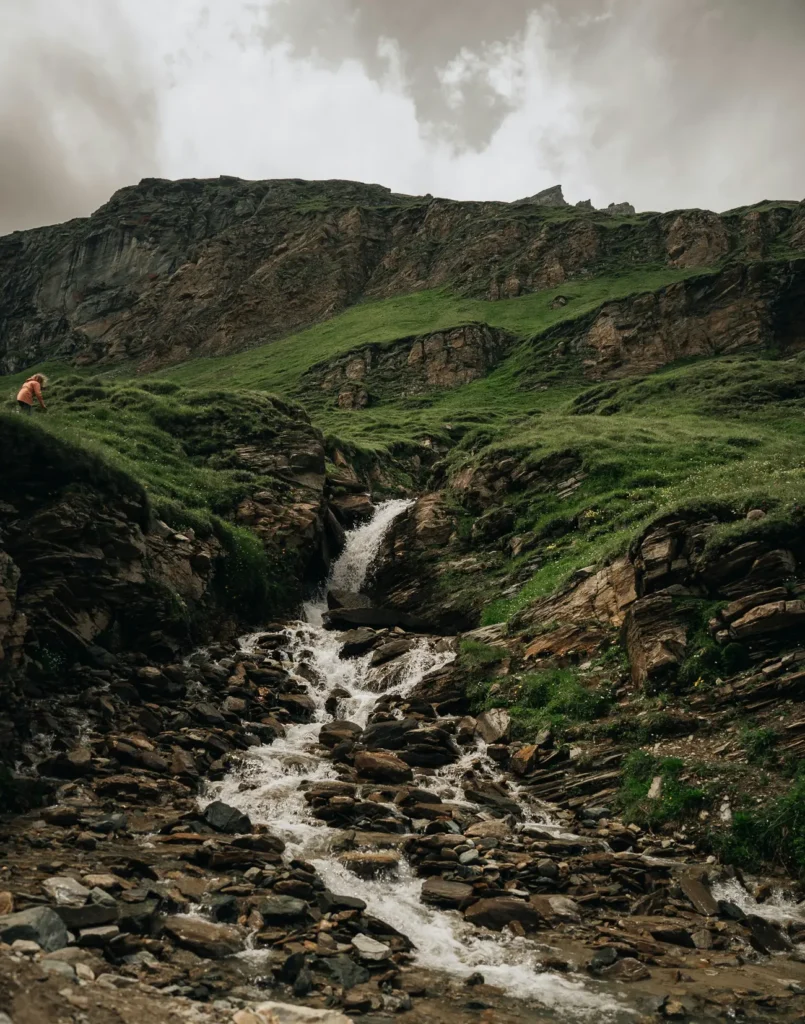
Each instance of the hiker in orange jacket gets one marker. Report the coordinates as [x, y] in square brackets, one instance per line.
[30, 390]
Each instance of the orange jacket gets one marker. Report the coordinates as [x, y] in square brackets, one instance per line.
[31, 389]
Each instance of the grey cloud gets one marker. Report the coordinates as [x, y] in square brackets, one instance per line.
[429, 33]
[693, 99]
[76, 122]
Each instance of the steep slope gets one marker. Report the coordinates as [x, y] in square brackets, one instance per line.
[167, 270]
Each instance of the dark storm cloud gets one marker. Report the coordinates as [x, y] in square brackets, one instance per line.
[76, 120]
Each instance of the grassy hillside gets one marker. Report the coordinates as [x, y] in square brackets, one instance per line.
[726, 431]
[280, 365]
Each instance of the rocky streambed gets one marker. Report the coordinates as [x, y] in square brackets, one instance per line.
[308, 826]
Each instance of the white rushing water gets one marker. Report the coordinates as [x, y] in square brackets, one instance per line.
[269, 789]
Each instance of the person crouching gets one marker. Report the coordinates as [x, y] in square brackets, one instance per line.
[30, 390]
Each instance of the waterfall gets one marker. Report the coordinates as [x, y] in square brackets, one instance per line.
[268, 787]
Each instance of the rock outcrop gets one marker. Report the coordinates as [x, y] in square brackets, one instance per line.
[166, 270]
[650, 597]
[439, 361]
[743, 307]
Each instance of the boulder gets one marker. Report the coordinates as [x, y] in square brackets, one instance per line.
[557, 909]
[65, 891]
[358, 642]
[335, 732]
[390, 651]
[525, 760]
[370, 949]
[224, 818]
[382, 767]
[204, 937]
[299, 706]
[699, 895]
[352, 509]
[346, 600]
[388, 735]
[496, 829]
[281, 909]
[439, 892]
[93, 915]
[368, 864]
[498, 912]
[41, 925]
[377, 618]
[494, 725]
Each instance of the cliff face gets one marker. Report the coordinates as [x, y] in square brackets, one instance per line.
[743, 307]
[442, 360]
[170, 269]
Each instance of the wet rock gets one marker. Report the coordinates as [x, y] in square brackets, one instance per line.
[346, 600]
[439, 892]
[377, 618]
[371, 864]
[300, 706]
[604, 957]
[330, 903]
[338, 731]
[494, 725]
[89, 916]
[281, 909]
[358, 642]
[224, 818]
[208, 714]
[389, 651]
[498, 912]
[204, 937]
[382, 767]
[388, 735]
[766, 936]
[347, 973]
[39, 924]
[627, 969]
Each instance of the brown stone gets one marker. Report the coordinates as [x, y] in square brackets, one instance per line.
[204, 937]
[498, 912]
[440, 892]
[382, 767]
[699, 895]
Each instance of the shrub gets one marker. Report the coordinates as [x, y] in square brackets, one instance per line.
[249, 580]
[773, 835]
[677, 799]
[553, 698]
[759, 745]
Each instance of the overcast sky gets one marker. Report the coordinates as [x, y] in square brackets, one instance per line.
[665, 103]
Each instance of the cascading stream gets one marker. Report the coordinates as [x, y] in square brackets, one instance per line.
[269, 789]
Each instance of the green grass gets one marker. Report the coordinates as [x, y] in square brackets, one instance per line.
[717, 435]
[550, 699]
[771, 834]
[279, 366]
[177, 443]
[677, 801]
